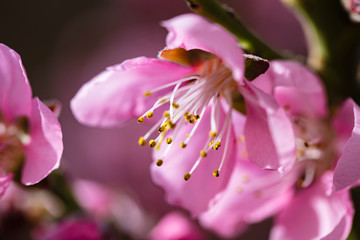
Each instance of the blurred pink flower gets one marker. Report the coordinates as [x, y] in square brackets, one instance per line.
[107, 204]
[175, 226]
[285, 129]
[70, 229]
[30, 133]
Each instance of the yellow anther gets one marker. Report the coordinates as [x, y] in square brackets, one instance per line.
[166, 114]
[213, 134]
[175, 105]
[210, 143]
[187, 115]
[169, 140]
[187, 135]
[142, 141]
[147, 93]
[182, 145]
[140, 119]
[161, 128]
[152, 143]
[170, 124]
[187, 176]
[196, 116]
[159, 162]
[191, 120]
[217, 145]
[150, 115]
[203, 153]
[216, 173]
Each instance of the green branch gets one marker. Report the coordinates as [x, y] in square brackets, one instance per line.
[332, 41]
[216, 12]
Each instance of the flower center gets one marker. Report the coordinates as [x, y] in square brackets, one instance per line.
[315, 147]
[187, 100]
[12, 138]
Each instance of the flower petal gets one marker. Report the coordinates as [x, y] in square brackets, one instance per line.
[296, 87]
[314, 213]
[252, 195]
[44, 151]
[348, 166]
[117, 94]
[269, 135]
[195, 193]
[191, 31]
[176, 226]
[15, 91]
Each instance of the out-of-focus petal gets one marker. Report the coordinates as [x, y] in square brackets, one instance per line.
[117, 94]
[175, 226]
[348, 166]
[44, 151]
[315, 213]
[195, 193]
[15, 91]
[71, 229]
[5, 180]
[251, 196]
[294, 86]
[191, 31]
[269, 134]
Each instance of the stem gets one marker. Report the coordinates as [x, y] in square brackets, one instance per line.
[216, 12]
[332, 41]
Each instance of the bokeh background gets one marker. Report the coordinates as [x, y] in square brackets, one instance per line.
[64, 43]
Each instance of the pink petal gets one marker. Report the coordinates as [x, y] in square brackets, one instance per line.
[252, 195]
[191, 31]
[5, 180]
[15, 91]
[44, 151]
[296, 87]
[175, 226]
[195, 193]
[269, 134]
[117, 94]
[314, 213]
[347, 169]
[342, 229]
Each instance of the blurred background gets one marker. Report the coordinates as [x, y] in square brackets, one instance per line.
[64, 43]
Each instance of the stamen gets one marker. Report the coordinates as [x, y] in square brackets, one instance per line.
[227, 140]
[203, 153]
[216, 173]
[147, 93]
[166, 114]
[182, 145]
[169, 140]
[142, 141]
[140, 119]
[175, 105]
[187, 176]
[173, 83]
[149, 114]
[152, 143]
[159, 162]
[212, 134]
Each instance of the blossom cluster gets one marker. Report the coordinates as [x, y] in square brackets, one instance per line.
[236, 139]
[281, 156]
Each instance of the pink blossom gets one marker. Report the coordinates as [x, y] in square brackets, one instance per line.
[175, 226]
[301, 198]
[71, 229]
[30, 134]
[192, 85]
[107, 204]
[286, 129]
